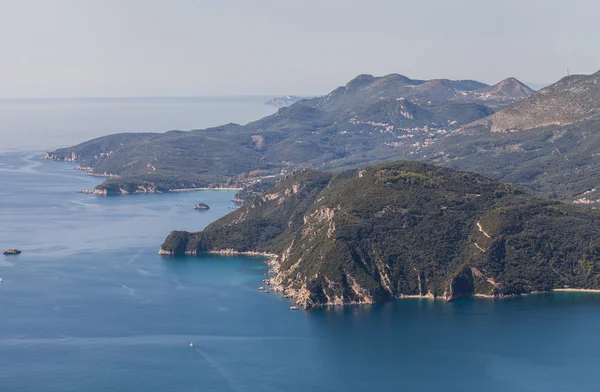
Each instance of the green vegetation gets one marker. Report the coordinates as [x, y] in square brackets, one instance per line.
[254, 190]
[548, 143]
[545, 142]
[407, 228]
[559, 162]
[355, 125]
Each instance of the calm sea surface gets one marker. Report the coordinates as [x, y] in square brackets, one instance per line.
[90, 306]
[51, 123]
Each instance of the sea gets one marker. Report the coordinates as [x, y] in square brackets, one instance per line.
[90, 305]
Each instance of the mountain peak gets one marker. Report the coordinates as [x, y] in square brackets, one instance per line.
[360, 80]
[509, 88]
[570, 100]
[511, 81]
[397, 78]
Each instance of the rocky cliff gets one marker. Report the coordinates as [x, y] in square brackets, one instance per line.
[405, 229]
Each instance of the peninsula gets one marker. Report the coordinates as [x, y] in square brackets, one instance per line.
[370, 119]
[405, 229]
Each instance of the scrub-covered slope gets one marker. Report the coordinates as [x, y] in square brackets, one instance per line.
[406, 228]
[370, 119]
[547, 143]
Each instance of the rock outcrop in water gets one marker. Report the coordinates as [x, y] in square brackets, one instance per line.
[12, 251]
[201, 206]
[405, 229]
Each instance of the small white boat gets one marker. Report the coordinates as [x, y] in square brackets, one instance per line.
[0, 279]
[266, 291]
[261, 288]
[191, 344]
[294, 308]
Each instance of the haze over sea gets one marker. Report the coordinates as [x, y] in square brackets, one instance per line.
[90, 306]
[48, 123]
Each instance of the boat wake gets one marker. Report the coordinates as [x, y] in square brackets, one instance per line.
[152, 340]
[215, 365]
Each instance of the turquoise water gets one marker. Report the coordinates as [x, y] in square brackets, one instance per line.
[90, 306]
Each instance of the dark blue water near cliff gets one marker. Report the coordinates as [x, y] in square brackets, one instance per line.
[90, 306]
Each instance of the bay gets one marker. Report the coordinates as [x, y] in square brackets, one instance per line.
[90, 306]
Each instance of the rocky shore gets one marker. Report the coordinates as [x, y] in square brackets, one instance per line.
[363, 237]
[67, 158]
[301, 296]
[146, 190]
[204, 189]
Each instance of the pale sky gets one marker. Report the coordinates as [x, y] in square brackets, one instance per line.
[74, 48]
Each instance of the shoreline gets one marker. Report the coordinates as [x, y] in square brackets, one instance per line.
[231, 252]
[597, 291]
[88, 171]
[223, 252]
[204, 189]
[271, 260]
[103, 192]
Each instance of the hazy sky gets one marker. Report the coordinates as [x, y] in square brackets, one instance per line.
[202, 47]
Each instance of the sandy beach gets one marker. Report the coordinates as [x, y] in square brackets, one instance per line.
[579, 290]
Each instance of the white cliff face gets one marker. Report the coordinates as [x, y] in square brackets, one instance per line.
[258, 140]
[363, 296]
[322, 215]
[100, 192]
[164, 252]
[141, 189]
[72, 157]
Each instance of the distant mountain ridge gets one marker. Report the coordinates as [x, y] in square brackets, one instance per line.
[572, 99]
[370, 119]
[366, 89]
[509, 89]
[547, 143]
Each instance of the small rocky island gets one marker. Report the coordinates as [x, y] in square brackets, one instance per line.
[201, 206]
[12, 251]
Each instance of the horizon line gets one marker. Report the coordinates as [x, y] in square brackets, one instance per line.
[106, 97]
